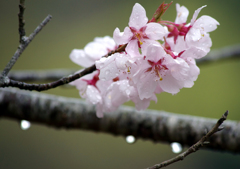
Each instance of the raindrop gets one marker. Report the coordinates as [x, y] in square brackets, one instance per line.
[25, 124]
[128, 92]
[130, 139]
[176, 147]
[210, 25]
[107, 72]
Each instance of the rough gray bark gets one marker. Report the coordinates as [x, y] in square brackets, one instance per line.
[158, 126]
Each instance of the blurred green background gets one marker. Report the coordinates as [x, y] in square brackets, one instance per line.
[74, 24]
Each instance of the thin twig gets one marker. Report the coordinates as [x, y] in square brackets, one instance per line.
[22, 47]
[202, 142]
[60, 82]
[21, 21]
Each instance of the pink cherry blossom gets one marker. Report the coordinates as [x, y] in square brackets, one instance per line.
[148, 66]
[160, 69]
[139, 32]
[92, 51]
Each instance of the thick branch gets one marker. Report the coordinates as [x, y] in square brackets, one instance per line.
[157, 126]
[202, 142]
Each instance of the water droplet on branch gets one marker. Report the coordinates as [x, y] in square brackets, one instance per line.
[24, 124]
[176, 147]
[130, 139]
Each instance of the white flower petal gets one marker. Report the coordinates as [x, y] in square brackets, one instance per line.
[95, 50]
[155, 31]
[79, 57]
[122, 37]
[146, 86]
[170, 84]
[107, 67]
[132, 48]
[155, 52]
[93, 95]
[207, 23]
[138, 17]
[195, 15]
[107, 41]
[182, 14]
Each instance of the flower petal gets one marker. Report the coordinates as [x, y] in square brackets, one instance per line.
[182, 14]
[122, 37]
[155, 31]
[132, 48]
[207, 23]
[107, 67]
[95, 50]
[155, 52]
[195, 15]
[79, 57]
[170, 84]
[146, 86]
[93, 95]
[138, 17]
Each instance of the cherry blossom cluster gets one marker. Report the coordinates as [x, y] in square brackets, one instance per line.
[159, 57]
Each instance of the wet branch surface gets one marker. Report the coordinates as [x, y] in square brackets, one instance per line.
[158, 126]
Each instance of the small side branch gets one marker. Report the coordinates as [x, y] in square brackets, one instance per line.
[21, 21]
[23, 46]
[202, 142]
[60, 82]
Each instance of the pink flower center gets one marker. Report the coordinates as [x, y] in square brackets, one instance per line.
[139, 34]
[93, 81]
[158, 67]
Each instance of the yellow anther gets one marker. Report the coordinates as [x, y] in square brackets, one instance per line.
[160, 77]
[128, 70]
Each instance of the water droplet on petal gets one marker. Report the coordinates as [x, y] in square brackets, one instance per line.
[210, 25]
[176, 147]
[130, 139]
[107, 72]
[24, 124]
[128, 92]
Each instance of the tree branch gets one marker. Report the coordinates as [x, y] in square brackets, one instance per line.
[227, 52]
[60, 82]
[158, 126]
[21, 21]
[41, 75]
[54, 75]
[202, 142]
[20, 49]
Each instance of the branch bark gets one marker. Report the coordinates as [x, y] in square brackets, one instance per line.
[202, 142]
[158, 126]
